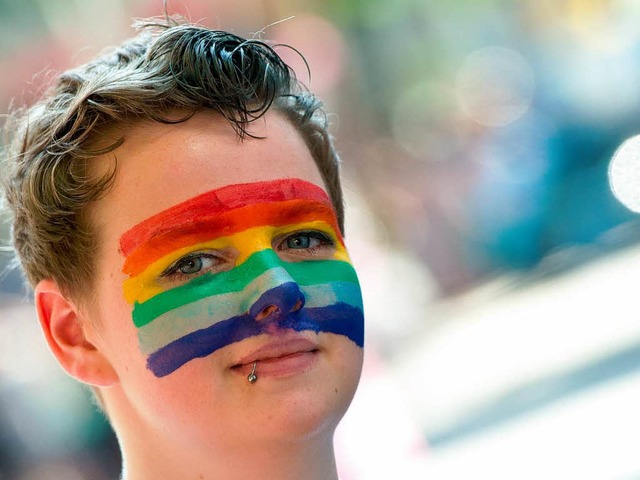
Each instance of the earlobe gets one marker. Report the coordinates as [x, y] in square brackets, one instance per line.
[65, 332]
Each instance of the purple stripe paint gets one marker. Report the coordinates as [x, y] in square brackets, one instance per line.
[340, 319]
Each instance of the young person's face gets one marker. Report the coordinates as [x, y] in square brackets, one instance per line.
[213, 254]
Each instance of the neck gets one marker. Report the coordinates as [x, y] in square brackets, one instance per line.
[311, 460]
[149, 453]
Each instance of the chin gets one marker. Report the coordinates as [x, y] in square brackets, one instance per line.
[295, 409]
[315, 416]
[319, 406]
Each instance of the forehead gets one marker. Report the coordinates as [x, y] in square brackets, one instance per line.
[159, 166]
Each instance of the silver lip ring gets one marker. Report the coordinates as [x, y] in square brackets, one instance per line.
[252, 377]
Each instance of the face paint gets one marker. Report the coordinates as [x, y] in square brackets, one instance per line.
[287, 253]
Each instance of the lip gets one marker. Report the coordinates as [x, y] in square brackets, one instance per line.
[279, 358]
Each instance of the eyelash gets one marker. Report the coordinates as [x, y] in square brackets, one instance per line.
[326, 242]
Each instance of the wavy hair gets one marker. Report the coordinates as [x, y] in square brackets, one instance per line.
[168, 66]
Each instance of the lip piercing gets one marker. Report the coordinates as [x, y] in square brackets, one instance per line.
[252, 377]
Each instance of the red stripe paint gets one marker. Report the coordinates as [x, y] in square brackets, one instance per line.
[217, 202]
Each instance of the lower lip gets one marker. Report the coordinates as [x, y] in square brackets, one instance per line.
[284, 366]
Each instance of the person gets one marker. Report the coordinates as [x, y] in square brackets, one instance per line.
[176, 205]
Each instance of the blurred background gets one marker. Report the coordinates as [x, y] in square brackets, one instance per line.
[491, 199]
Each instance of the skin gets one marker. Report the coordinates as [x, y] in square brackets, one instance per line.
[204, 420]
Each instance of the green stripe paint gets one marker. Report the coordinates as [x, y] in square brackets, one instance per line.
[236, 280]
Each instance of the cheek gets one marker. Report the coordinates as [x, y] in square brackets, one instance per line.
[197, 405]
[347, 359]
[118, 336]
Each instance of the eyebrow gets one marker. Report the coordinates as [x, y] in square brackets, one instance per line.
[209, 206]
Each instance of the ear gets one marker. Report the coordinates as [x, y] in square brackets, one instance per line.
[65, 333]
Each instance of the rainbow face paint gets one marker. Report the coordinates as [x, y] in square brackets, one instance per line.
[255, 241]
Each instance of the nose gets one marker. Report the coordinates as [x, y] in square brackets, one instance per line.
[277, 302]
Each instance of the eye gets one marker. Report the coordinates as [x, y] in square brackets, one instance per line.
[193, 265]
[308, 243]
[302, 241]
[190, 266]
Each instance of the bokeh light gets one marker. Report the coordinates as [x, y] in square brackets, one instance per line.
[495, 86]
[624, 174]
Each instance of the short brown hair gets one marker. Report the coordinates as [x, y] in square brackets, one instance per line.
[169, 66]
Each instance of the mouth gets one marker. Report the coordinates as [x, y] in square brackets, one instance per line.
[279, 358]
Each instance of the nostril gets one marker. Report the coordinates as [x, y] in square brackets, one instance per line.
[267, 312]
[281, 300]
